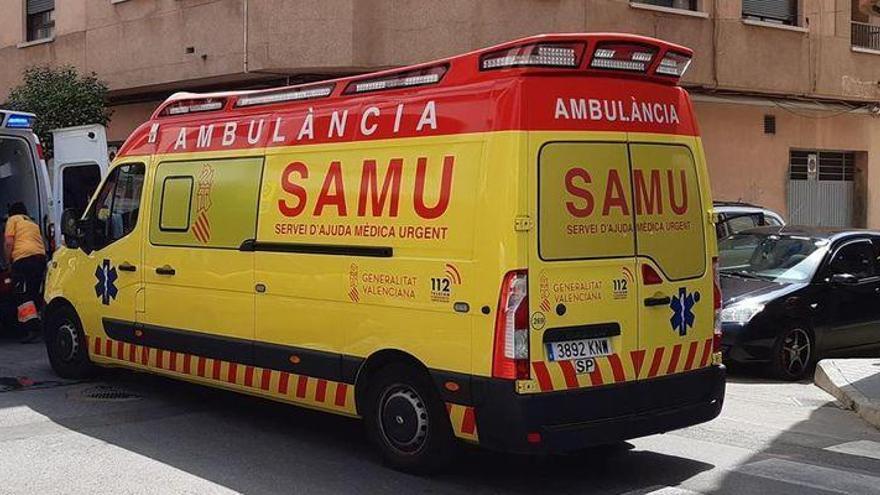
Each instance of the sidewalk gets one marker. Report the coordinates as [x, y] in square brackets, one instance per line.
[855, 383]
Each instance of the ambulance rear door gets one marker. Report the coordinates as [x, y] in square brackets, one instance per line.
[582, 271]
[676, 312]
[81, 161]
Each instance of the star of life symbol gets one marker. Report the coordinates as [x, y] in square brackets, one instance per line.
[682, 307]
[105, 288]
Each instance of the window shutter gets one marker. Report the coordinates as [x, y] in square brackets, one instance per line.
[778, 10]
[675, 4]
[37, 6]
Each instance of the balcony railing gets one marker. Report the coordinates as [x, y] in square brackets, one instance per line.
[866, 35]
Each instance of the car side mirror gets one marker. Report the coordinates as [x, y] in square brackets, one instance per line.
[70, 228]
[762, 220]
[844, 279]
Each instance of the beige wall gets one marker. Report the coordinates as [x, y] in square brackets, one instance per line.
[746, 164]
[11, 22]
[127, 117]
[139, 45]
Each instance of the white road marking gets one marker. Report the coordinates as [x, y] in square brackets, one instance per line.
[822, 478]
[663, 490]
[861, 448]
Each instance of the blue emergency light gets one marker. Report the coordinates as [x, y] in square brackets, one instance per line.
[18, 121]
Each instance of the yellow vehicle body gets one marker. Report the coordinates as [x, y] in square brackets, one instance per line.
[235, 252]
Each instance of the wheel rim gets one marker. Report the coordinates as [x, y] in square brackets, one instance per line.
[67, 341]
[403, 419]
[796, 352]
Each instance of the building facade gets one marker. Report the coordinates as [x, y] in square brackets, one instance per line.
[787, 92]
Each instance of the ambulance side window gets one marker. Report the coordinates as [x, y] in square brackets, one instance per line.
[117, 207]
[176, 206]
[205, 203]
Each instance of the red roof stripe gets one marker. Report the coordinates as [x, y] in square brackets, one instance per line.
[466, 100]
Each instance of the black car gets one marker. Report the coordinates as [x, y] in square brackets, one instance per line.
[792, 295]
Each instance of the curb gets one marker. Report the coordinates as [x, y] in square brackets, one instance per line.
[829, 378]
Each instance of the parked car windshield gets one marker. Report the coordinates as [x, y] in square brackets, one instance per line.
[771, 257]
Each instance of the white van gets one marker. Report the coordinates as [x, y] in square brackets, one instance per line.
[23, 177]
[23, 173]
[80, 163]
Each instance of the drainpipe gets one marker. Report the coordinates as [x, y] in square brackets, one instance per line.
[245, 58]
[716, 20]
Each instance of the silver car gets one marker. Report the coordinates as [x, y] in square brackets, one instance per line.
[733, 217]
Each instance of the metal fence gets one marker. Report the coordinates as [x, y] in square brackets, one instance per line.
[866, 35]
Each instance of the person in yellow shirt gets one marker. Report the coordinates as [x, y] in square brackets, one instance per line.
[26, 252]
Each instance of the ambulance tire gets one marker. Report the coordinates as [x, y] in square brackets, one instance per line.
[405, 418]
[66, 344]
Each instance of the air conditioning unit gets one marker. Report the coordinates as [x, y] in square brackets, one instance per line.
[869, 7]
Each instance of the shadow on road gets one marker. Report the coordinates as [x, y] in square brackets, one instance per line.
[801, 459]
[253, 445]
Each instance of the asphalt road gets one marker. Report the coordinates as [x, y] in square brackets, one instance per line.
[169, 437]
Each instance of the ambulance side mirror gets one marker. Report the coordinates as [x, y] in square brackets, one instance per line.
[70, 228]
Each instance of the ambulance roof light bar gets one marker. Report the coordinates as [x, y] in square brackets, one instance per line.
[544, 54]
[630, 57]
[17, 120]
[192, 105]
[285, 95]
[407, 79]
[673, 64]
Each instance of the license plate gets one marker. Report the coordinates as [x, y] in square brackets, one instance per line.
[571, 350]
[584, 366]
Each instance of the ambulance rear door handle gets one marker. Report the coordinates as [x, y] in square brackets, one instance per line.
[165, 270]
[127, 267]
[657, 301]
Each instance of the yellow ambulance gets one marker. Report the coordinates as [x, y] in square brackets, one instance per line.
[512, 248]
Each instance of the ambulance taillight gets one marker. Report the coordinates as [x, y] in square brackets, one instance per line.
[562, 55]
[628, 57]
[716, 304]
[50, 233]
[650, 275]
[510, 358]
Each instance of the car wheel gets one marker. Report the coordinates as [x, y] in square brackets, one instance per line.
[66, 344]
[407, 421]
[793, 354]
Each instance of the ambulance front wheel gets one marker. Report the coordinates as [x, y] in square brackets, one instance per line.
[407, 421]
[66, 344]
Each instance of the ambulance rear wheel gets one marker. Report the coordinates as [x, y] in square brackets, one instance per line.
[66, 344]
[407, 421]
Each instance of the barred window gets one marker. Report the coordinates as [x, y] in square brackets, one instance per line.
[830, 165]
